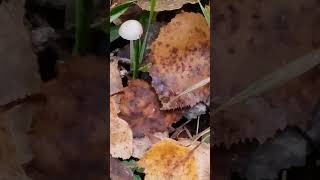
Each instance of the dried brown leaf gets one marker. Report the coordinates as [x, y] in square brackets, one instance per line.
[119, 171]
[140, 107]
[18, 66]
[68, 133]
[242, 36]
[18, 122]
[165, 5]
[12, 138]
[121, 140]
[115, 79]
[141, 145]
[180, 58]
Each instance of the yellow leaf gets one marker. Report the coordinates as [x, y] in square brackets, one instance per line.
[168, 160]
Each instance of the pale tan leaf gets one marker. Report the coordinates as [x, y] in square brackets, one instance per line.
[19, 75]
[121, 139]
[115, 79]
[202, 157]
[165, 5]
[141, 145]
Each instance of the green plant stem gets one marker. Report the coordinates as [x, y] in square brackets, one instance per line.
[82, 28]
[144, 43]
[134, 49]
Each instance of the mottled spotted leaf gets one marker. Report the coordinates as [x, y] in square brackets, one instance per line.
[180, 58]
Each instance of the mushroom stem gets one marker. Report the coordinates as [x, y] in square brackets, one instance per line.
[134, 59]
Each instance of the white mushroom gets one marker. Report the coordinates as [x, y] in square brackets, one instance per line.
[131, 30]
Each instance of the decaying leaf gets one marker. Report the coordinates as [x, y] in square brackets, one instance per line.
[169, 160]
[165, 5]
[180, 58]
[115, 79]
[141, 145]
[242, 36]
[68, 135]
[140, 107]
[121, 140]
[119, 171]
[18, 66]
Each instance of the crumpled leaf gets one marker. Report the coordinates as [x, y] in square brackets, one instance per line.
[271, 25]
[165, 5]
[121, 140]
[168, 160]
[115, 78]
[68, 133]
[180, 58]
[119, 171]
[18, 66]
[140, 107]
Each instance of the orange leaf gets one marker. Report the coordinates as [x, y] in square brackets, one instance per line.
[180, 58]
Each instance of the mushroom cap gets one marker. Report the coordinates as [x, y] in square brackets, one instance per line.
[131, 30]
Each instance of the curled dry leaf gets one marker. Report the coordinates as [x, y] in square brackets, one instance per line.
[120, 134]
[115, 79]
[180, 58]
[165, 5]
[140, 107]
[169, 160]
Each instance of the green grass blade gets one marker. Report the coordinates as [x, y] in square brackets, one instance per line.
[119, 10]
[151, 17]
[82, 26]
[205, 12]
[114, 34]
[193, 87]
[275, 79]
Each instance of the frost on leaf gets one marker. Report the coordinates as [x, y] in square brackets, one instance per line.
[169, 160]
[120, 134]
[180, 58]
[165, 5]
[140, 107]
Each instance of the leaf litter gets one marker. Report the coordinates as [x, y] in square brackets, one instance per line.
[145, 110]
